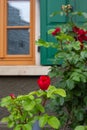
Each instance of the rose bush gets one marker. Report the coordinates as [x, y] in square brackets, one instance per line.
[70, 69]
[25, 110]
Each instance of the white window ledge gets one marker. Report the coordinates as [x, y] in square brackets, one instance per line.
[23, 70]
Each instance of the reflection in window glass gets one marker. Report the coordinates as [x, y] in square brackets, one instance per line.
[18, 12]
[18, 42]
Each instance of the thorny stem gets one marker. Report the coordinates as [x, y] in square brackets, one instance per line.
[69, 120]
[61, 45]
[21, 113]
[43, 103]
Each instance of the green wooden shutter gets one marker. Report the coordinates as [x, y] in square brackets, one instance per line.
[47, 7]
[79, 5]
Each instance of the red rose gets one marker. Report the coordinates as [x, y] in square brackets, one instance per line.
[44, 82]
[56, 31]
[12, 96]
[80, 38]
[78, 31]
[75, 29]
[85, 38]
[81, 32]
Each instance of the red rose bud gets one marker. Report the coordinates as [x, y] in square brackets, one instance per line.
[81, 46]
[56, 31]
[12, 96]
[44, 82]
[75, 29]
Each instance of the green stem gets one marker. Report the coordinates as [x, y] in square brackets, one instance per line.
[43, 104]
[61, 45]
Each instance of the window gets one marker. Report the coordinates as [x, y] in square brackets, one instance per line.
[17, 36]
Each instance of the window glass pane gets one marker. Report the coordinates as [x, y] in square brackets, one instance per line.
[18, 42]
[18, 12]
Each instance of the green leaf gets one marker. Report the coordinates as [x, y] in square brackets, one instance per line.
[75, 76]
[50, 91]
[41, 42]
[80, 128]
[50, 31]
[41, 108]
[70, 84]
[32, 93]
[84, 14]
[61, 100]
[31, 97]
[10, 124]
[60, 92]
[40, 93]
[18, 127]
[80, 117]
[85, 100]
[79, 113]
[27, 127]
[5, 119]
[84, 54]
[29, 105]
[43, 120]
[38, 100]
[76, 45]
[5, 101]
[57, 13]
[54, 122]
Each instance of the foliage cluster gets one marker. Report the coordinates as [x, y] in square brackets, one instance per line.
[25, 110]
[70, 66]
